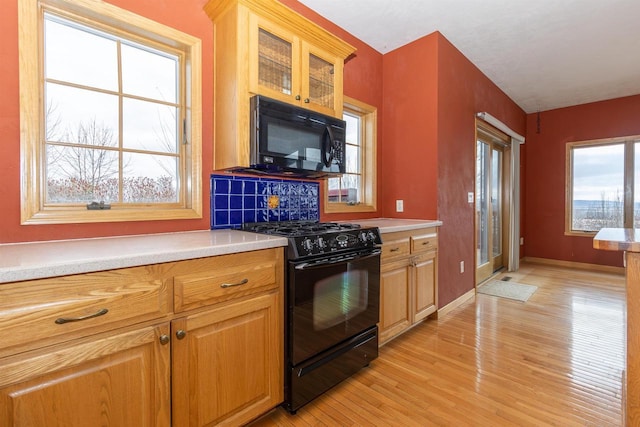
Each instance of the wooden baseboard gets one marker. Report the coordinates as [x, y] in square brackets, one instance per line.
[572, 264]
[454, 304]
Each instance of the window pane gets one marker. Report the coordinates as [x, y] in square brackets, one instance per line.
[149, 74]
[353, 128]
[350, 188]
[149, 126]
[598, 187]
[79, 174]
[150, 178]
[352, 159]
[496, 202]
[81, 116]
[482, 202]
[74, 54]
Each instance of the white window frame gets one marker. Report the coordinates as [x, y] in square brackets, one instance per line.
[368, 134]
[111, 18]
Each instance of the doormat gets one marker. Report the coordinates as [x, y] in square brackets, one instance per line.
[505, 289]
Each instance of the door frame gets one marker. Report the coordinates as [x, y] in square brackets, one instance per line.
[496, 140]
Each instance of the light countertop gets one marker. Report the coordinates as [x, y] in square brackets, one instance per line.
[35, 260]
[390, 225]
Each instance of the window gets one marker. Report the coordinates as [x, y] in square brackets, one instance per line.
[601, 178]
[355, 190]
[110, 109]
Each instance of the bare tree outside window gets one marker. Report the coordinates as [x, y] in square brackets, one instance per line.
[103, 144]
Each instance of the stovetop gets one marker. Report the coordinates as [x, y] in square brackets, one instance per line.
[297, 228]
[309, 238]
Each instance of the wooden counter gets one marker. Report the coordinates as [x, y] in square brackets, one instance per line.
[624, 239]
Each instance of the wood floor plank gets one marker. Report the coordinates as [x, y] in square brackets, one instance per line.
[555, 360]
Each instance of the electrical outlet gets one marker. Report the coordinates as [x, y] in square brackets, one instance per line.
[521, 241]
[399, 205]
[461, 266]
[470, 197]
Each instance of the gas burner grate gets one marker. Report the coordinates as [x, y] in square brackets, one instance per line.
[297, 228]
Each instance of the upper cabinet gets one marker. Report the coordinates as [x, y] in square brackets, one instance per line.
[265, 48]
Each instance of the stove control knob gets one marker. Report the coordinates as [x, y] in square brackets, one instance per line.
[321, 243]
[307, 244]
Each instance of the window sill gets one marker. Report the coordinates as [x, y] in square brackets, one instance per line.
[580, 233]
[346, 208]
[112, 215]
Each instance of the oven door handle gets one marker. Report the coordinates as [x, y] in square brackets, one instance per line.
[337, 260]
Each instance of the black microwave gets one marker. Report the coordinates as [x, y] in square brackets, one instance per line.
[290, 140]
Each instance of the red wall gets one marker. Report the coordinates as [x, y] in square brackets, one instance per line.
[409, 139]
[546, 170]
[431, 95]
[462, 92]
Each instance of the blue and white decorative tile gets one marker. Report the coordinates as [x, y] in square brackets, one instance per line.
[239, 199]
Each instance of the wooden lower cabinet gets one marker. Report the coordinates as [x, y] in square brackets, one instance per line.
[120, 380]
[408, 280]
[227, 363]
[425, 279]
[395, 292]
[216, 358]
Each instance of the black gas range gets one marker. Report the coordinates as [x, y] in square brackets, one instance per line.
[332, 300]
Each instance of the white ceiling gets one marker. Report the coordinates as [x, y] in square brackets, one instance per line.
[543, 54]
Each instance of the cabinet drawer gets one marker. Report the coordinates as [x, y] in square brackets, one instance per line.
[395, 248]
[39, 312]
[208, 281]
[424, 242]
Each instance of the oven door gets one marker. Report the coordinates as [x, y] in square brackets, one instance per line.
[331, 300]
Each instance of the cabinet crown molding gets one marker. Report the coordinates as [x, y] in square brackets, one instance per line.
[286, 18]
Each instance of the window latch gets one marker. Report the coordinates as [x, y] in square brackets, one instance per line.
[95, 206]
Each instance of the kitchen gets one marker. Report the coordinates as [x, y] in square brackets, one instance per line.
[424, 179]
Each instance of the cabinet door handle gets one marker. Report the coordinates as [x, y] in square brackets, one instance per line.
[297, 97]
[164, 339]
[62, 320]
[228, 285]
[180, 334]
[307, 100]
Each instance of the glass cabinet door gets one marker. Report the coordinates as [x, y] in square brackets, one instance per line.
[275, 62]
[321, 81]
[320, 77]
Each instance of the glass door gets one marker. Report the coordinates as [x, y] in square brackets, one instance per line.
[489, 206]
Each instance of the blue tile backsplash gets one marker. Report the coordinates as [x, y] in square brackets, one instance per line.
[238, 199]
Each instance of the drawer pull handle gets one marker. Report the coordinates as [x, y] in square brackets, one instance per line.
[63, 320]
[426, 243]
[394, 249]
[228, 285]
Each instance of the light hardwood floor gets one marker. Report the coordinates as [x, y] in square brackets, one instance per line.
[556, 360]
